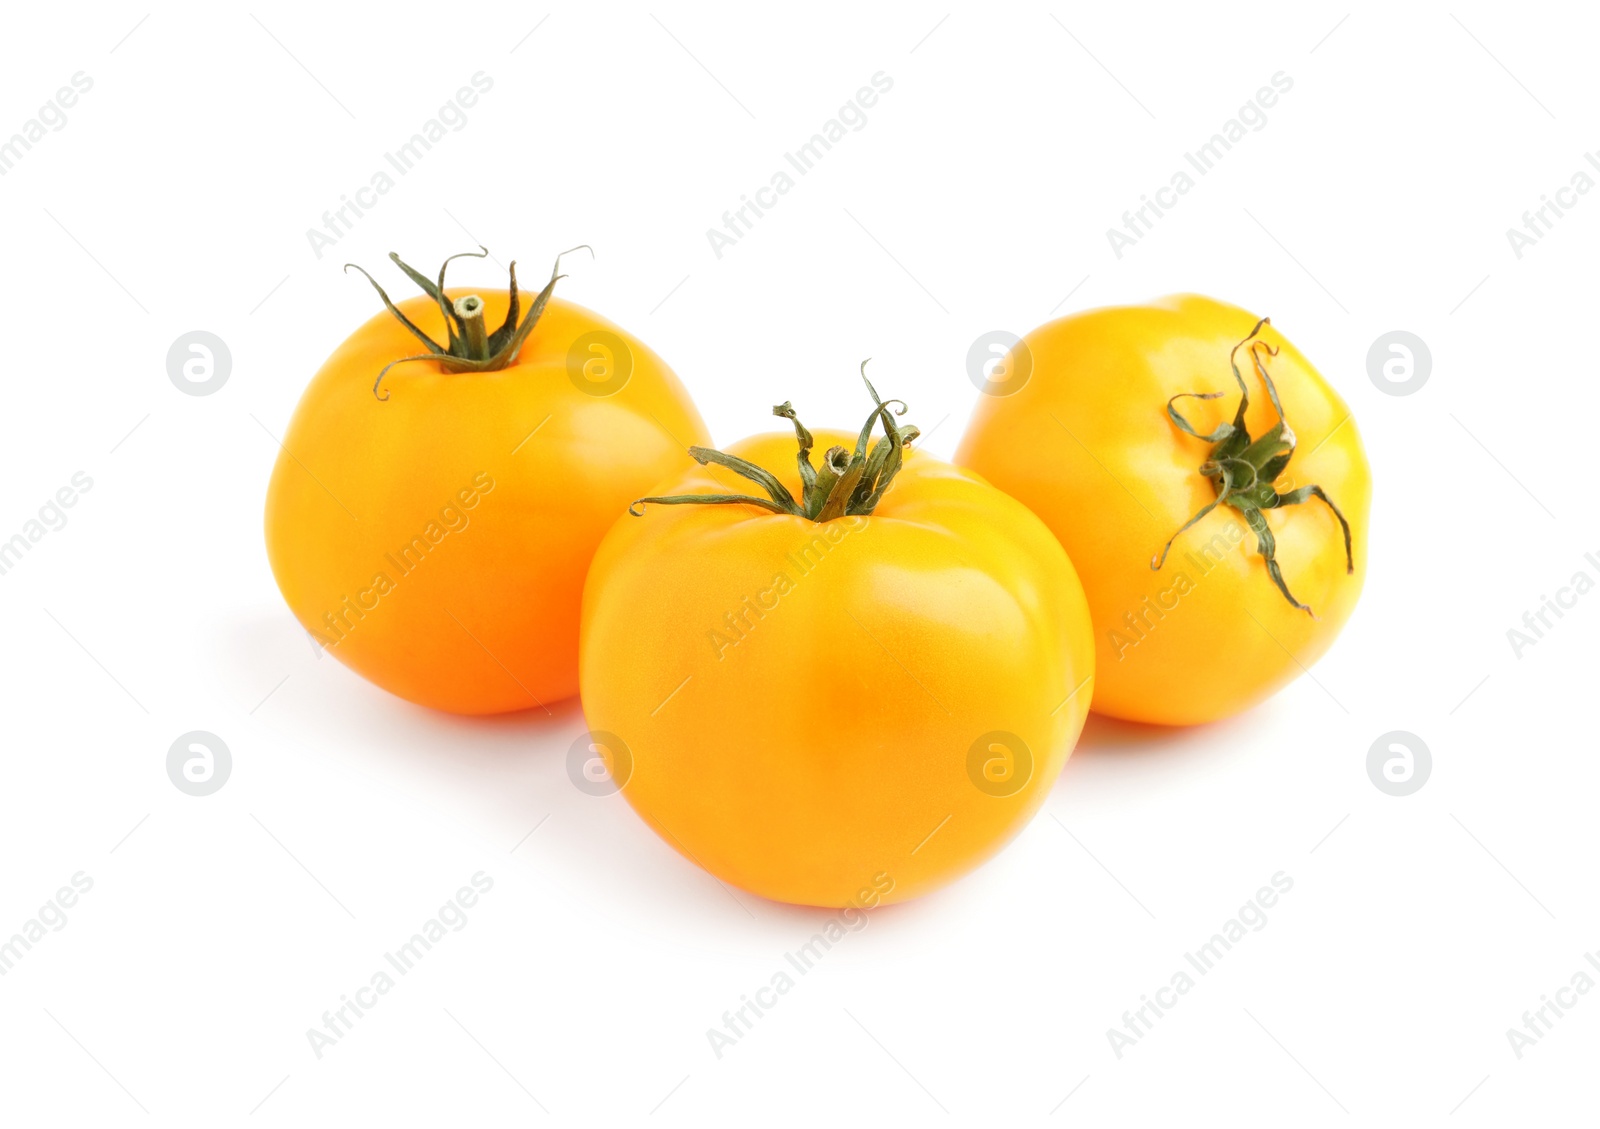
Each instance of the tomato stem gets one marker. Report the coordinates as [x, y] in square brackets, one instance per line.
[471, 347]
[1243, 470]
[848, 484]
[475, 336]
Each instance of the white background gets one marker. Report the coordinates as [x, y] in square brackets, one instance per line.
[977, 197]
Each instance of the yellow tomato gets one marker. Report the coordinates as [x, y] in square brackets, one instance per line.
[434, 534]
[838, 712]
[1086, 440]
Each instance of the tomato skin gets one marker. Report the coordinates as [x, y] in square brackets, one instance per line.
[818, 752]
[483, 617]
[1087, 445]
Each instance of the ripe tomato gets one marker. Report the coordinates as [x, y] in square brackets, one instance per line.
[1124, 427]
[436, 540]
[842, 711]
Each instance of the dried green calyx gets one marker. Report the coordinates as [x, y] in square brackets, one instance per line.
[1243, 470]
[847, 484]
[472, 347]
